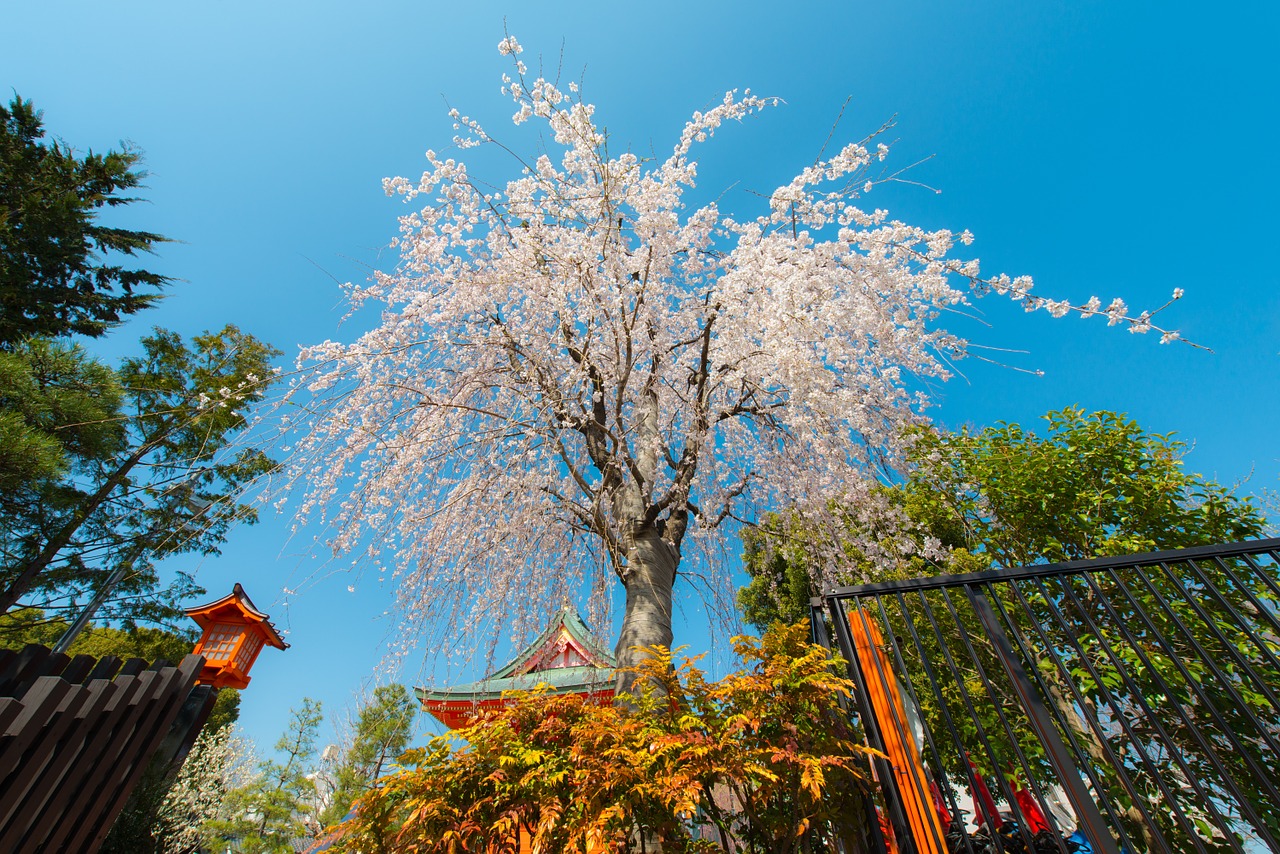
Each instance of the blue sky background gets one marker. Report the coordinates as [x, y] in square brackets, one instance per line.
[1118, 149]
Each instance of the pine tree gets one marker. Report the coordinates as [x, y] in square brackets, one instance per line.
[381, 735]
[61, 270]
[275, 808]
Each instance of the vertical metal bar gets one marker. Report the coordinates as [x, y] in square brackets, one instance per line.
[888, 788]
[1134, 741]
[997, 706]
[1118, 715]
[961, 751]
[1086, 810]
[991, 820]
[1059, 834]
[1204, 700]
[1171, 746]
[1081, 755]
[818, 625]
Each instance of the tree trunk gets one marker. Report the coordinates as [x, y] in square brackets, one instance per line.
[649, 578]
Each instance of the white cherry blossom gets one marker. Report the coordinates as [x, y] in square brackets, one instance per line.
[581, 376]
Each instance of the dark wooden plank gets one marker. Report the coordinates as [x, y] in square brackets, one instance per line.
[24, 669]
[79, 668]
[49, 733]
[89, 702]
[94, 771]
[13, 662]
[96, 742]
[9, 709]
[176, 684]
[73, 749]
[167, 708]
[42, 699]
[186, 727]
[23, 735]
[106, 668]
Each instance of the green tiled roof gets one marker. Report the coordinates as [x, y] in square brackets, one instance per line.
[561, 679]
[519, 675]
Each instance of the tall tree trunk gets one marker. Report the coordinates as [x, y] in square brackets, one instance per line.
[649, 578]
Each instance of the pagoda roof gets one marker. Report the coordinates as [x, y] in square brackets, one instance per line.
[561, 680]
[565, 657]
[236, 604]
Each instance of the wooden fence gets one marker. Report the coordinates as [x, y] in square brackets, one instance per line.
[76, 735]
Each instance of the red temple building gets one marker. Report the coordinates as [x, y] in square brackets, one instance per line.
[564, 657]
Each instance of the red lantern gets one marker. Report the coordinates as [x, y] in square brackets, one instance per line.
[234, 634]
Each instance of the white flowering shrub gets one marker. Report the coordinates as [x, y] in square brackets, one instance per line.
[219, 762]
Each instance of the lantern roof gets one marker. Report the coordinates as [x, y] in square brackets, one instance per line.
[565, 657]
[236, 606]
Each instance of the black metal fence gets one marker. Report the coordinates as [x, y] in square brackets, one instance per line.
[1128, 703]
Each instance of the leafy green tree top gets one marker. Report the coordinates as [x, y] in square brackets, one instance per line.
[1092, 484]
[59, 267]
[381, 735]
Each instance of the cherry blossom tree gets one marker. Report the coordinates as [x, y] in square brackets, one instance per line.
[580, 374]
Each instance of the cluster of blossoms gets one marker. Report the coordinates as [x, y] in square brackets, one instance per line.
[581, 356]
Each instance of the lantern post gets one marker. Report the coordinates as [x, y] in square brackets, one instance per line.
[234, 632]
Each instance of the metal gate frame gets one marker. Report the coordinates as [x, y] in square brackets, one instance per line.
[1145, 688]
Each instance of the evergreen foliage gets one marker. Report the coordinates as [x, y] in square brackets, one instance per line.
[381, 735]
[60, 268]
[163, 477]
[278, 805]
[58, 407]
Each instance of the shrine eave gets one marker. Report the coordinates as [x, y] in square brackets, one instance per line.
[236, 604]
[563, 680]
[568, 620]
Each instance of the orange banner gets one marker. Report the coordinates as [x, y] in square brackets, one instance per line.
[899, 743]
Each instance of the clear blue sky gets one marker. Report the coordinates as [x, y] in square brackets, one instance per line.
[1122, 149]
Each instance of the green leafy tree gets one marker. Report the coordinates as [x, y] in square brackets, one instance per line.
[61, 270]
[277, 806]
[381, 735]
[1094, 484]
[170, 483]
